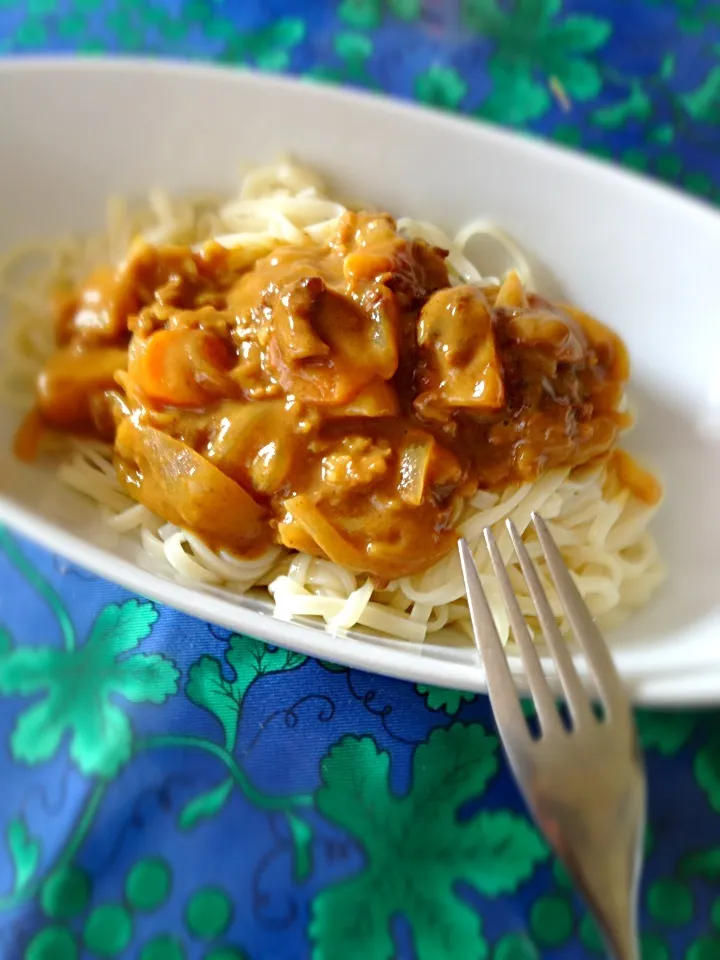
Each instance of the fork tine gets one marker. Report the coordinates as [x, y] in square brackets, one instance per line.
[575, 693]
[539, 687]
[583, 626]
[501, 686]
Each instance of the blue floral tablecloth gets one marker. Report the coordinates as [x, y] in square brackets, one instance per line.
[169, 790]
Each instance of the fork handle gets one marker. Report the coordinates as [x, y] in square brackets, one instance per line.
[626, 949]
[602, 854]
[613, 903]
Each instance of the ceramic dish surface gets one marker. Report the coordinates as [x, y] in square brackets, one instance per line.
[638, 256]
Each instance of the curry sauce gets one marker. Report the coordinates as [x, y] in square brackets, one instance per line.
[342, 399]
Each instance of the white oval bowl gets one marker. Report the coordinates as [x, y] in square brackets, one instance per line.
[641, 257]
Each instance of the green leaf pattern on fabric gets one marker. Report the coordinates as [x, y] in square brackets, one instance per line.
[407, 10]
[24, 851]
[79, 687]
[665, 732]
[636, 106]
[707, 771]
[302, 840]
[438, 698]
[547, 66]
[537, 52]
[415, 847]
[361, 14]
[207, 687]
[205, 806]
[704, 863]
[247, 659]
[703, 103]
[268, 48]
[441, 87]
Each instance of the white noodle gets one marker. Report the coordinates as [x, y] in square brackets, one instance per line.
[612, 557]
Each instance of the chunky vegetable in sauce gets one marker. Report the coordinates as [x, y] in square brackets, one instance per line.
[341, 399]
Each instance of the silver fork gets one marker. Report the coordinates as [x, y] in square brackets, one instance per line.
[585, 786]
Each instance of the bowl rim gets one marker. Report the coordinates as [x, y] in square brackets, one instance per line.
[357, 653]
[533, 145]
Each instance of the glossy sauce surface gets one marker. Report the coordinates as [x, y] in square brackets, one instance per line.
[341, 399]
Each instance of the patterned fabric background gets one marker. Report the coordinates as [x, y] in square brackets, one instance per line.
[170, 790]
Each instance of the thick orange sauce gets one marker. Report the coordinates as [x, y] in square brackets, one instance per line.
[341, 399]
